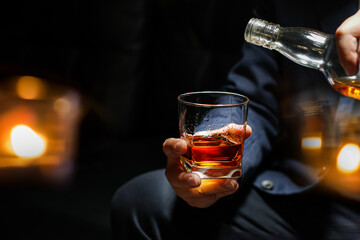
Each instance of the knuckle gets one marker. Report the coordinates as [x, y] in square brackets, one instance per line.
[166, 143]
[204, 195]
[200, 192]
[213, 197]
[173, 147]
[176, 177]
[339, 32]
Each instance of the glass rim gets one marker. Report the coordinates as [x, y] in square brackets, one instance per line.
[225, 93]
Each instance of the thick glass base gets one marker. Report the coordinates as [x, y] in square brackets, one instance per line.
[226, 172]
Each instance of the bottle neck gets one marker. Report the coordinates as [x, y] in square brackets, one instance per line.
[262, 33]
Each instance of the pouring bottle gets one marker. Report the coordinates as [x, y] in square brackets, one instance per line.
[307, 47]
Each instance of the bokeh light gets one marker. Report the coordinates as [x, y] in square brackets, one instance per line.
[348, 159]
[26, 142]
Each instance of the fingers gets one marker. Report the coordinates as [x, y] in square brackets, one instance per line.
[189, 186]
[179, 179]
[209, 192]
[347, 36]
[213, 187]
[173, 149]
[347, 50]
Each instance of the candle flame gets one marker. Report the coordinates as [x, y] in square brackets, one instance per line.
[348, 160]
[26, 142]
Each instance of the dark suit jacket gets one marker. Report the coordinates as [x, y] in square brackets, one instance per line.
[277, 87]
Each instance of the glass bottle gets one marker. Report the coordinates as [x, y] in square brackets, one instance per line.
[307, 47]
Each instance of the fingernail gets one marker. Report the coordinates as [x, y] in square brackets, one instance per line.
[192, 181]
[231, 184]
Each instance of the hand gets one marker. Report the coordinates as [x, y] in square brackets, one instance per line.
[347, 37]
[189, 186]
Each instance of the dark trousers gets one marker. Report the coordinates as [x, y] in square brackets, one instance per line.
[147, 208]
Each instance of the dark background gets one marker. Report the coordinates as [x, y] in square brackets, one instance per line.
[129, 60]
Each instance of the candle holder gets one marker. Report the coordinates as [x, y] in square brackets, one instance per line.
[38, 130]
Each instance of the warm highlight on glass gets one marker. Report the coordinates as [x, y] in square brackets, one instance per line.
[212, 124]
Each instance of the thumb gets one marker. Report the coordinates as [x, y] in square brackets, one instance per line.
[173, 149]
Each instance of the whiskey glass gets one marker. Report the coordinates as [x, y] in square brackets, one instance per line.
[213, 125]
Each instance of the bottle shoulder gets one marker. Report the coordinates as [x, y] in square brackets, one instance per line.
[305, 38]
[306, 47]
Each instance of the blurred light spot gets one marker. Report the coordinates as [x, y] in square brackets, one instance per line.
[348, 159]
[29, 87]
[62, 106]
[311, 143]
[25, 142]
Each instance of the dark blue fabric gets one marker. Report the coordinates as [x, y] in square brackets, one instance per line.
[148, 208]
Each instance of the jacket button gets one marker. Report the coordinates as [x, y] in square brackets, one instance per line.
[267, 184]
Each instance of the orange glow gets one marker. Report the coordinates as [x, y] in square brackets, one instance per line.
[311, 143]
[26, 142]
[348, 160]
[62, 106]
[29, 87]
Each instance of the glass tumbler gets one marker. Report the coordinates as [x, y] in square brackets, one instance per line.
[213, 125]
